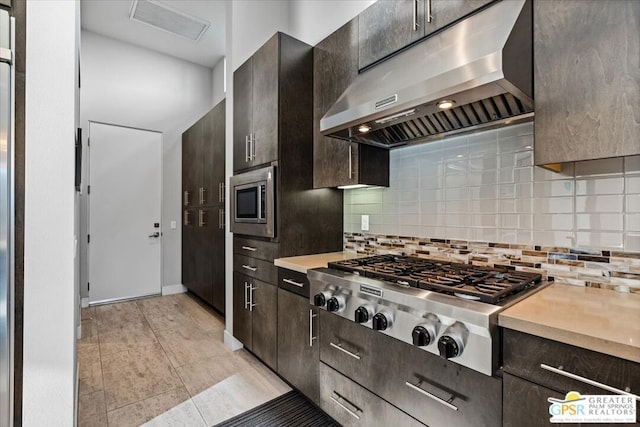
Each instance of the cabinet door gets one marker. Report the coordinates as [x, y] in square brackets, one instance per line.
[264, 301]
[203, 248]
[242, 114]
[207, 187]
[388, 26]
[445, 12]
[587, 83]
[298, 349]
[218, 190]
[525, 404]
[241, 313]
[265, 103]
[188, 248]
[217, 260]
[189, 168]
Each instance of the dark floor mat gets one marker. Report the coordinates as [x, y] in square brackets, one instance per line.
[289, 410]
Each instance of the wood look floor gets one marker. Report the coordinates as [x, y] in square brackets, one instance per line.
[161, 361]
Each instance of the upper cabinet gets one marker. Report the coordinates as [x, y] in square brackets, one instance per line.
[389, 25]
[587, 80]
[255, 107]
[336, 162]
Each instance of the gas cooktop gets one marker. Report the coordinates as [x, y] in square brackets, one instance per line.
[490, 285]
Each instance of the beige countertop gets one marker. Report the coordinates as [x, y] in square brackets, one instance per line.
[305, 262]
[596, 319]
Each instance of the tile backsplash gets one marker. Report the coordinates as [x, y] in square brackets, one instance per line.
[484, 187]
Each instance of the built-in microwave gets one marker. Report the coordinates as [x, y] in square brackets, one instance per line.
[253, 202]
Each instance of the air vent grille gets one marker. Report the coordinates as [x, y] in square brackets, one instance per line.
[476, 114]
[168, 19]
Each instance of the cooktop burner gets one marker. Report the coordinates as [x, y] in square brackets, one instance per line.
[485, 284]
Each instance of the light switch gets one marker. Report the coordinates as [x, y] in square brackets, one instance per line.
[364, 222]
[174, 225]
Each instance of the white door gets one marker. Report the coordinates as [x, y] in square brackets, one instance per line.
[124, 212]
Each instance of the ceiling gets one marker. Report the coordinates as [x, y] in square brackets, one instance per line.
[111, 18]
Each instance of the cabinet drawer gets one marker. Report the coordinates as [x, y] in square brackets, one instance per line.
[352, 405]
[434, 391]
[260, 249]
[525, 403]
[256, 268]
[524, 354]
[293, 281]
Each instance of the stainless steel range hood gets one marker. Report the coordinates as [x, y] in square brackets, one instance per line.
[483, 64]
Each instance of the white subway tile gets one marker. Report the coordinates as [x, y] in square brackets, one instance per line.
[632, 242]
[408, 195]
[456, 206]
[367, 209]
[457, 220]
[409, 207]
[515, 130]
[483, 220]
[483, 206]
[515, 144]
[430, 195]
[508, 206]
[428, 208]
[483, 178]
[595, 186]
[525, 237]
[632, 222]
[507, 236]
[594, 222]
[367, 196]
[542, 174]
[562, 222]
[483, 192]
[553, 188]
[456, 193]
[553, 238]
[484, 234]
[452, 180]
[613, 166]
[633, 203]
[597, 239]
[409, 230]
[461, 233]
[553, 205]
[484, 153]
[632, 184]
[432, 220]
[507, 176]
[523, 158]
[524, 174]
[597, 204]
[409, 219]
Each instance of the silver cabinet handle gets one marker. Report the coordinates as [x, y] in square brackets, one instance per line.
[344, 350]
[247, 267]
[221, 219]
[201, 192]
[247, 155]
[431, 396]
[246, 299]
[560, 371]
[249, 248]
[429, 17]
[202, 218]
[350, 165]
[221, 192]
[415, 15]
[311, 337]
[252, 146]
[251, 304]
[187, 220]
[187, 197]
[294, 283]
[340, 404]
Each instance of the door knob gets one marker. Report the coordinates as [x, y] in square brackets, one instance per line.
[156, 234]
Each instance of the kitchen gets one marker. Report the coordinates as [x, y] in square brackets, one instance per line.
[604, 189]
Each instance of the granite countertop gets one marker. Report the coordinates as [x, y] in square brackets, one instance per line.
[596, 319]
[306, 262]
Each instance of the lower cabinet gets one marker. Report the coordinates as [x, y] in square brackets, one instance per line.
[298, 346]
[255, 316]
[352, 405]
[527, 403]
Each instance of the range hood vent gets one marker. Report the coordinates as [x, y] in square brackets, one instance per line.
[483, 65]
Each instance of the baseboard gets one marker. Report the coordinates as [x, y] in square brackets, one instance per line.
[79, 332]
[84, 302]
[173, 289]
[231, 342]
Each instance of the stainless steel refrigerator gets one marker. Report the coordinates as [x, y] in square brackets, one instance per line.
[7, 94]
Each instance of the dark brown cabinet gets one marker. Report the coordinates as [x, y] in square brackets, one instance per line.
[298, 346]
[390, 25]
[203, 207]
[540, 368]
[336, 162]
[587, 84]
[255, 315]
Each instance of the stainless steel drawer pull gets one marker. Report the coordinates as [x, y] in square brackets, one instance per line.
[343, 406]
[293, 282]
[249, 248]
[429, 16]
[431, 396]
[251, 304]
[350, 165]
[560, 371]
[344, 350]
[246, 299]
[187, 198]
[311, 337]
[247, 267]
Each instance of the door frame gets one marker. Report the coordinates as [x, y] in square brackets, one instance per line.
[88, 210]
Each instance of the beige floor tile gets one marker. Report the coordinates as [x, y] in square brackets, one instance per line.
[135, 336]
[90, 372]
[91, 410]
[206, 317]
[186, 346]
[130, 376]
[87, 313]
[168, 409]
[199, 376]
[89, 332]
[165, 313]
[119, 315]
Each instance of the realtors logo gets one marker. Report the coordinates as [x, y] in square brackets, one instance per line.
[593, 408]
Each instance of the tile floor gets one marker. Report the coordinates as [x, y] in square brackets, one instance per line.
[161, 361]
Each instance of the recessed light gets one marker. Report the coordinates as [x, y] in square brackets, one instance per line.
[446, 103]
[364, 128]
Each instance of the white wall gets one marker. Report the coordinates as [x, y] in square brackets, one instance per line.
[127, 85]
[49, 294]
[249, 24]
[217, 82]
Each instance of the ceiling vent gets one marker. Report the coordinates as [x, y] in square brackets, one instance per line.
[168, 19]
